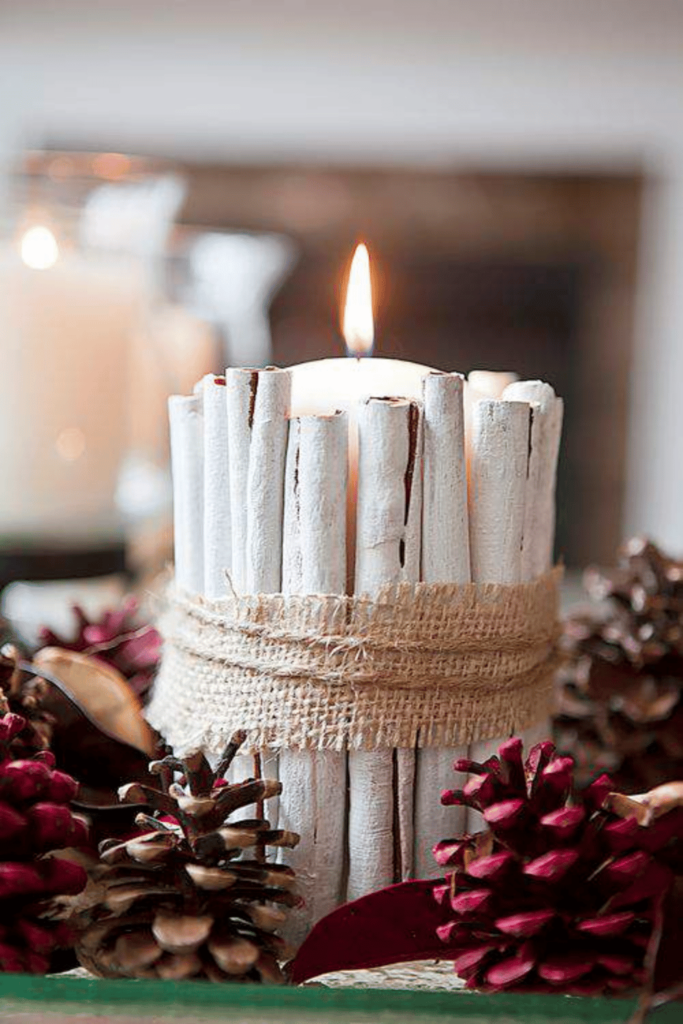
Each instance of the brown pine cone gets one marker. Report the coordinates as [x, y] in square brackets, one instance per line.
[183, 899]
[561, 893]
[619, 693]
[35, 819]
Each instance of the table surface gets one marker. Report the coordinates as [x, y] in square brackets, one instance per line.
[26, 999]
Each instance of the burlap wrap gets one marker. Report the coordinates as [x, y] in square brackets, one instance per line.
[424, 665]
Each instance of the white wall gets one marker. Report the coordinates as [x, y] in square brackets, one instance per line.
[529, 83]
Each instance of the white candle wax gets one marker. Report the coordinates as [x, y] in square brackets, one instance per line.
[330, 384]
[65, 333]
[489, 383]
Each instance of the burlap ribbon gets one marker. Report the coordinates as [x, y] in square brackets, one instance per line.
[424, 665]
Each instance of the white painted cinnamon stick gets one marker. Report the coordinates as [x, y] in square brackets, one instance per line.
[387, 551]
[389, 504]
[499, 446]
[483, 384]
[445, 559]
[539, 512]
[314, 562]
[187, 457]
[499, 453]
[217, 534]
[240, 390]
[257, 411]
[291, 529]
[314, 539]
[544, 444]
[258, 406]
[548, 489]
[445, 519]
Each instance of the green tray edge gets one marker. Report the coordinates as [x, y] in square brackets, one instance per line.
[122, 996]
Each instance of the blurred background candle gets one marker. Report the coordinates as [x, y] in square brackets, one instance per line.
[66, 322]
[80, 282]
[109, 305]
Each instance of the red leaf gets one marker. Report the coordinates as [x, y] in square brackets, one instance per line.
[391, 926]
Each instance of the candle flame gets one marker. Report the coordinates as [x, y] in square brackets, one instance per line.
[38, 248]
[358, 327]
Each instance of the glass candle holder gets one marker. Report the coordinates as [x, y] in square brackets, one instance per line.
[78, 257]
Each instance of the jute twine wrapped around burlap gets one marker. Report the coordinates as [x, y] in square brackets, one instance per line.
[424, 665]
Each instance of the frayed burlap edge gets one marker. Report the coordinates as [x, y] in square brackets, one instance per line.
[426, 665]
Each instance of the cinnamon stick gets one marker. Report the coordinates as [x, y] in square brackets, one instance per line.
[499, 455]
[314, 562]
[388, 534]
[257, 410]
[445, 559]
[544, 444]
[187, 458]
[217, 532]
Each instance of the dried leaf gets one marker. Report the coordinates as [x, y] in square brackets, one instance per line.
[102, 693]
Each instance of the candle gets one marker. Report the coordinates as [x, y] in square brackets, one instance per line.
[66, 320]
[413, 520]
[489, 383]
[326, 385]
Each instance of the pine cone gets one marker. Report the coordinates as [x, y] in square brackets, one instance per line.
[182, 900]
[117, 638]
[34, 820]
[560, 894]
[619, 695]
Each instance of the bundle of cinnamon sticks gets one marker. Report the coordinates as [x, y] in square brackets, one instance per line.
[457, 487]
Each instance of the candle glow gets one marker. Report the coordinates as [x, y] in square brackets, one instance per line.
[358, 326]
[38, 248]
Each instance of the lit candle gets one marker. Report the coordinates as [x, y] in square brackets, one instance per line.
[417, 523]
[329, 384]
[66, 320]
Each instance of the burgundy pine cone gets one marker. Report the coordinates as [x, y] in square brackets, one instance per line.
[35, 819]
[560, 894]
